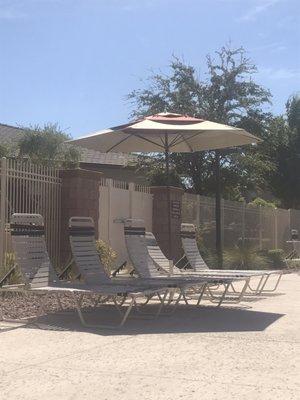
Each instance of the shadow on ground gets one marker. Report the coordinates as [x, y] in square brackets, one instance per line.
[186, 319]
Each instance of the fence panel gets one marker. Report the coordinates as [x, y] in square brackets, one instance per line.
[200, 210]
[120, 200]
[233, 222]
[252, 226]
[29, 188]
[283, 227]
[267, 228]
[295, 219]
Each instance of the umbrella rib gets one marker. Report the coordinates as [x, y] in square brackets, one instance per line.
[196, 134]
[163, 142]
[148, 140]
[191, 137]
[186, 142]
[117, 144]
[173, 142]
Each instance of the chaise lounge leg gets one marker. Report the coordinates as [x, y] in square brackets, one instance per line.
[162, 302]
[201, 294]
[126, 315]
[184, 298]
[275, 287]
[117, 306]
[223, 295]
[177, 301]
[263, 290]
[84, 323]
[261, 281]
[243, 291]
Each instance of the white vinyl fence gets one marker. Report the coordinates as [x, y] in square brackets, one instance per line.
[120, 200]
[29, 188]
[268, 228]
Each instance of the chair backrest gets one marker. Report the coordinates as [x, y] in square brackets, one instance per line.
[155, 252]
[135, 239]
[157, 255]
[84, 250]
[190, 248]
[28, 240]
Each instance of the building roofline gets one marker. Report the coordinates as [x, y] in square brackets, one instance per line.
[12, 126]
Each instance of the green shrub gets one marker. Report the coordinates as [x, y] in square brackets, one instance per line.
[107, 255]
[15, 277]
[244, 256]
[259, 202]
[276, 258]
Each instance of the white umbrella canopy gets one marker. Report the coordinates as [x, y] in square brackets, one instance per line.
[166, 132]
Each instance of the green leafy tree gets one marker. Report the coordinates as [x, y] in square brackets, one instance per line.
[46, 145]
[282, 146]
[229, 95]
[293, 113]
[154, 169]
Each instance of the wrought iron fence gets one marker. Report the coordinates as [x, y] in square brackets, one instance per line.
[29, 188]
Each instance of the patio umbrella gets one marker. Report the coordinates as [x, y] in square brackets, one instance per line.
[168, 132]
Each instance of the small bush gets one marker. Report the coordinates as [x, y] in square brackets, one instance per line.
[15, 277]
[107, 255]
[276, 258]
[244, 256]
[259, 202]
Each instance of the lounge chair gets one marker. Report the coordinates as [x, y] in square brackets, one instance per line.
[136, 243]
[86, 257]
[28, 239]
[88, 262]
[165, 265]
[83, 245]
[197, 263]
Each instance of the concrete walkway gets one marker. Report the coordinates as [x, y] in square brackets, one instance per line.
[249, 352]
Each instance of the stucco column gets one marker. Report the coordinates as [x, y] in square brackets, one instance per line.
[80, 197]
[167, 202]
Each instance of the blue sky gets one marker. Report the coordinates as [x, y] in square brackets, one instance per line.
[73, 61]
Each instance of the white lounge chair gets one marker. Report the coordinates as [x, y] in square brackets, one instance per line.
[28, 238]
[83, 245]
[197, 263]
[88, 262]
[136, 243]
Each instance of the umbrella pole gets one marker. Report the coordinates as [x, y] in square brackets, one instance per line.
[218, 210]
[167, 159]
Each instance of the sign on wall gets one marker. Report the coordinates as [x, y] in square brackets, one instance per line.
[175, 209]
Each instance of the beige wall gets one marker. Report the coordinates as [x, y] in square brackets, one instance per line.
[119, 200]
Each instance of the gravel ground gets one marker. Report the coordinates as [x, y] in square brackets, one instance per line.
[20, 305]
